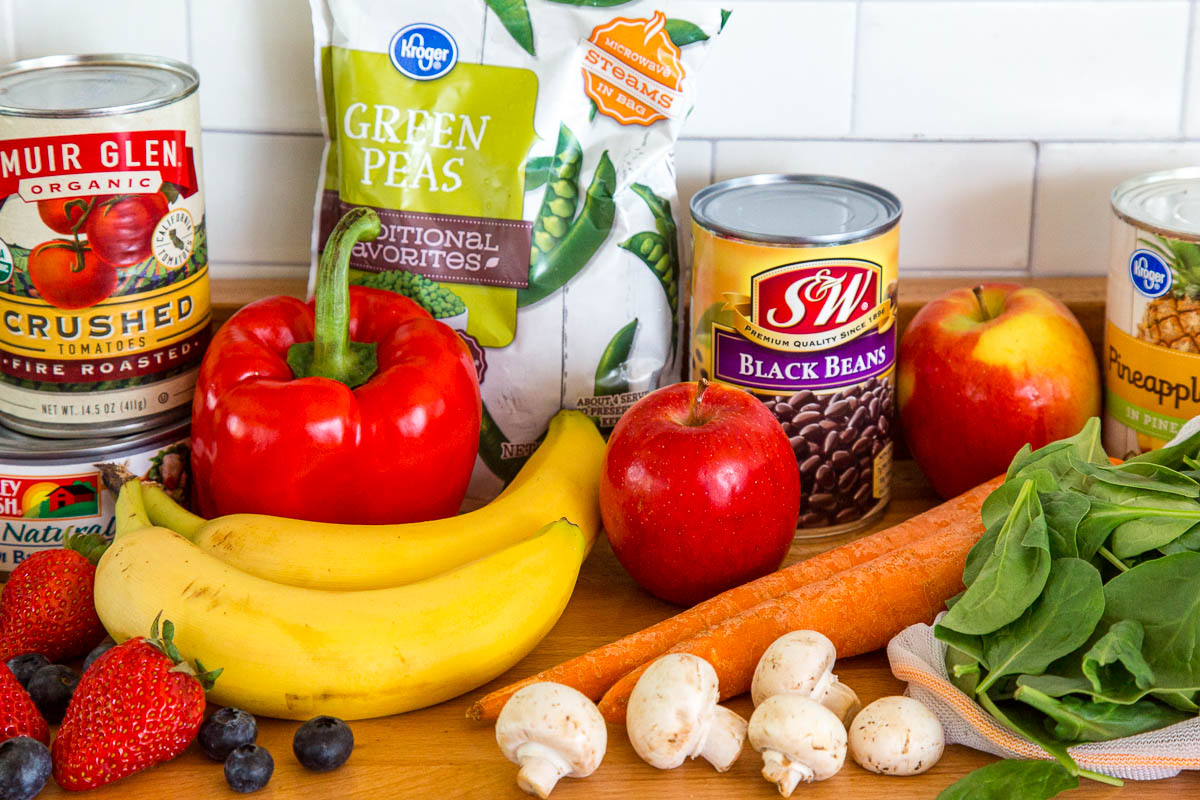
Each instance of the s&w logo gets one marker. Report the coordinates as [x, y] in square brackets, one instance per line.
[813, 297]
[423, 51]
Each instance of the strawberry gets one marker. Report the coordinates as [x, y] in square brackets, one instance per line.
[46, 607]
[140, 704]
[18, 715]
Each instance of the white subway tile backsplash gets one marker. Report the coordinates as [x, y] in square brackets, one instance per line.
[1073, 212]
[256, 60]
[260, 192]
[1191, 100]
[965, 204]
[1027, 69]
[779, 69]
[52, 27]
[693, 170]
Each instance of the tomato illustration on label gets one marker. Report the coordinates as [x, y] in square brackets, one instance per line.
[70, 275]
[632, 71]
[119, 228]
[64, 214]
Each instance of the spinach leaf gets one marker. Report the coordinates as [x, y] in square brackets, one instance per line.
[964, 669]
[1064, 511]
[1143, 477]
[1075, 719]
[999, 503]
[1172, 456]
[1150, 532]
[978, 555]
[1106, 515]
[1188, 541]
[1012, 780]
[1062, 457]
[1117, 657]
[1060, 621]
[1013, 575]
[1163, 595]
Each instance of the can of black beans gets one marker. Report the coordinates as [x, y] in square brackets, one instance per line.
[794, 298]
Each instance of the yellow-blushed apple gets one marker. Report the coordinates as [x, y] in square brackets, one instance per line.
[984, 371]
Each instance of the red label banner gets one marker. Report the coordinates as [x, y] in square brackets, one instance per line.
[147, 362]
[96, 155]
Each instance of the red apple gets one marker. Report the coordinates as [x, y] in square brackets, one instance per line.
[980, 376]
[699, 491]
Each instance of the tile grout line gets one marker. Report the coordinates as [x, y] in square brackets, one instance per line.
[854, 65]
[1189, 51]
[187, 10]
[1033, 205]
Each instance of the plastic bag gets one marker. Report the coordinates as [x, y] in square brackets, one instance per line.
[520, 156]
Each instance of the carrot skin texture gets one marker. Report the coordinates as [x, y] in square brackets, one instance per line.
[859, 609]
[595, 672]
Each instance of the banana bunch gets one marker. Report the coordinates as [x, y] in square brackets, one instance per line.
[358, 621]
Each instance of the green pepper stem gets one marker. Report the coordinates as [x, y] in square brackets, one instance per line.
[331, 340]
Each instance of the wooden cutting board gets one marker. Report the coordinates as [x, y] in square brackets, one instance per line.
[437, 753]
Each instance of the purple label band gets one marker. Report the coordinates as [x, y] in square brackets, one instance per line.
[443, 247]
[742, 362]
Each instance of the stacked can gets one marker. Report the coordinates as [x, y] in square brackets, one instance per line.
[104, 296]
[794, 293]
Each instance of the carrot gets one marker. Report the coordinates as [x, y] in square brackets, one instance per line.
[594, 672]
[859, 609]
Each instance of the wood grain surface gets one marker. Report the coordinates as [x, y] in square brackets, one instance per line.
[437, 753]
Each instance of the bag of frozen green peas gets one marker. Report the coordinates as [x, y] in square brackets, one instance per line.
[519, 154]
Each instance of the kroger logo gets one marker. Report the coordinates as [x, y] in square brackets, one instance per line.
[1150, 274]
[423, 52]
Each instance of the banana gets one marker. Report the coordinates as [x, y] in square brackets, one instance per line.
[561, 479]
[294, 653]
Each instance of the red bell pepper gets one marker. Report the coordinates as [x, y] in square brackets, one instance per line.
[356, 407]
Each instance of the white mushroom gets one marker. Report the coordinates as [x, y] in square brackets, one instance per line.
[801, 662]
[800, 740]
[551, 731]
[673, 715]
[896, 736]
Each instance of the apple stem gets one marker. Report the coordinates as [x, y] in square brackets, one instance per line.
[983, 309]
[693, 418]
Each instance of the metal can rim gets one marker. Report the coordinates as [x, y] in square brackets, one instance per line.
[1125, 187]
[77, 450]
[101, 59]
[887, 199]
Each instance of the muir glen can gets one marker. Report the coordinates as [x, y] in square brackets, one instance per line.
[794, 299]
[1152, 331]
[104, 304]
[51, 489]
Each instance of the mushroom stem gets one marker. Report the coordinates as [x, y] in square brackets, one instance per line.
[842, 701]
[783, 772]
[723, 743]
[541, 767]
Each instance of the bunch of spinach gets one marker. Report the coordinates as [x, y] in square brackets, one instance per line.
[1081, 617]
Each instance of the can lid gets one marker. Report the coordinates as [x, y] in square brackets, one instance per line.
[1166, 202]
[92, 85]
[796, 209]
[20, 448]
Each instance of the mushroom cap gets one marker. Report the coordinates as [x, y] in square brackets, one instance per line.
[558, 718]
[896, 736]
[800, 662]
[670, 708]
[803, 730]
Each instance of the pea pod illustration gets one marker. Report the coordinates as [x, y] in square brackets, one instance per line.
[537, 172]
[612, 370]
[659, 250]
[583, 238]
[560, 199]
[491, 446]
[514, 16]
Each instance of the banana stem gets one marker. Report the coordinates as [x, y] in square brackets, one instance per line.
[129, 513]
[162, 510]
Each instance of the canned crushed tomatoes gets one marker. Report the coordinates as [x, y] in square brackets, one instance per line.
[794, 293]
[104, 301]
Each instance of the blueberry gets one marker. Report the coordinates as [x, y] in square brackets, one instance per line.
[51, 689]
[225, 730]
[248, 768]
[24, 768]
[98, 651]
[323, 743]
[24, 667]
